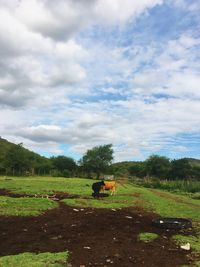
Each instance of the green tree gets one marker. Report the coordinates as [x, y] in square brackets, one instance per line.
[138, 169]
[180, 169]
[158, 166]
[16, 160]
[65, 165]
[97, 159]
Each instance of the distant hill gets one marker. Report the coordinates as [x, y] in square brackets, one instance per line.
[5, 146]
[194, 162]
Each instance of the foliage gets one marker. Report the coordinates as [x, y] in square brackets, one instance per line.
[36, 260]
[66, 166]
[16, 160]
[97, 159]
[189, 186]
[180, 169]
[138, 170]
[158, 166]
[147, 237]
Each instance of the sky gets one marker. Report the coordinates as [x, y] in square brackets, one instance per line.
[75, 74]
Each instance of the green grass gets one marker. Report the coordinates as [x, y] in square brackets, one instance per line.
[170, 207]
[184, 206]
[147, 237]
[178, 185]
[24, 206]
[114, 202]
[193, 240]
[194, 243]
[47, 185]
[36, 260]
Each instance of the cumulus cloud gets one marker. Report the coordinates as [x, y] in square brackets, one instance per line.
[61, 19]
[73, 73]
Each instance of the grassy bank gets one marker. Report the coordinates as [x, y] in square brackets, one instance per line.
[188, 186]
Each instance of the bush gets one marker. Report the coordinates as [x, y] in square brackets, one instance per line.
[66, 173]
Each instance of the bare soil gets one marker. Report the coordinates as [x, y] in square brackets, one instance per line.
[94, 237]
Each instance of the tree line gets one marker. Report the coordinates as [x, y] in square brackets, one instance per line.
[165, 169]
[18, 161]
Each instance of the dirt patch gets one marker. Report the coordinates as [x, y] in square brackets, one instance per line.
[54, 196]
[175, 198]
[94, 237]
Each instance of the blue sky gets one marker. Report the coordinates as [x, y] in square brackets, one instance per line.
[74, 76]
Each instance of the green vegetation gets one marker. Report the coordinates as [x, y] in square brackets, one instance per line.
[147, 237]
[15, 160]
[97, 160]
[18, 161]
[193, 240]
[163, 203]
[159, 167]
[112, 202]
[170, 205]
[36, 260]
[160, 202]
[24, 206]
[46, 185]
[189, 186]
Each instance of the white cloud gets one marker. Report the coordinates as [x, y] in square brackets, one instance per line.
[63, 18]
[57, 87]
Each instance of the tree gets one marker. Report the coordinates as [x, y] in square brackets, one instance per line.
[65, 165]
[138, 169]
[97, 159]
[158, 166]
[180, 169]
[16, 160]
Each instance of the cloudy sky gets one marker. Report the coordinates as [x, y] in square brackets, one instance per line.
[75, 74]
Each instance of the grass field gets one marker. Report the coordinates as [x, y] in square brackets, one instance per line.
[128, 195]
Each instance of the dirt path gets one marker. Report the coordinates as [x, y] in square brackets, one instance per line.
[94, 237]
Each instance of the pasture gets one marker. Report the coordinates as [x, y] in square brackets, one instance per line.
[56, 222]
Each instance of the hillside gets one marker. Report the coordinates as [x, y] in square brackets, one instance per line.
[194, 162]
[14, 156]
[5, 146]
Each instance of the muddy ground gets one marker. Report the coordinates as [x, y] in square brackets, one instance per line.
[94, 237]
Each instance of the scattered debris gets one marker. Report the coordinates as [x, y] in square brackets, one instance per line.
[113, 209]
[87, 247]
[75, 210]
[109, 261]
[129, 217]
[186, 246]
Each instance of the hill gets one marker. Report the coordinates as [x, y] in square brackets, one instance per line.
[14, 157]
[194, 162]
